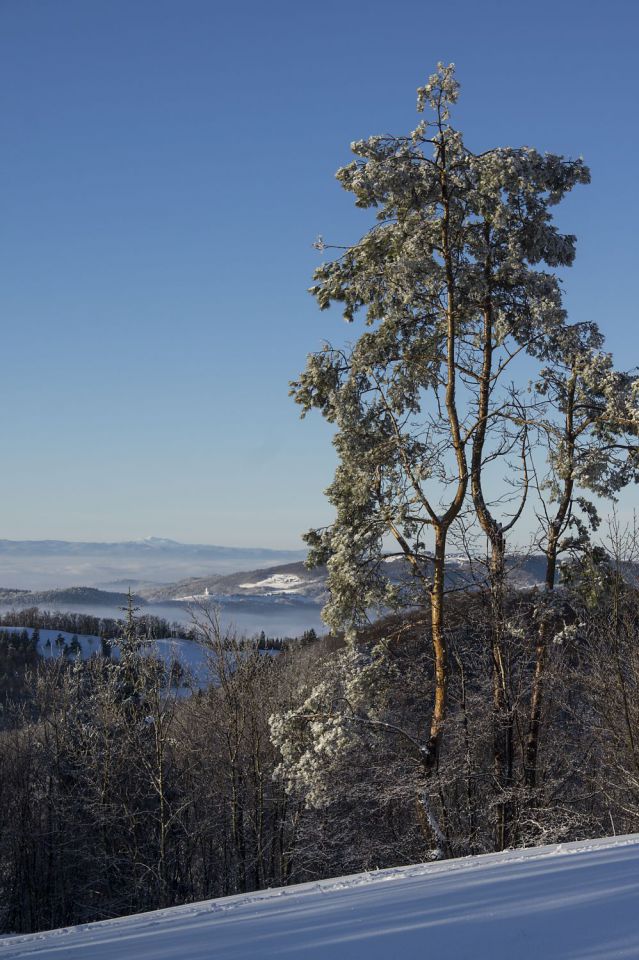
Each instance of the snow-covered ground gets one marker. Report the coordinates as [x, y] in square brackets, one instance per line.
[193, 656]
[278, 584]
[288, 582]
[575, 901]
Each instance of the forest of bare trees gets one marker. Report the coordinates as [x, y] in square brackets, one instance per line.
[121, 794]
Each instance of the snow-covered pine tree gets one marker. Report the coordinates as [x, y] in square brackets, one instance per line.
[453, 284]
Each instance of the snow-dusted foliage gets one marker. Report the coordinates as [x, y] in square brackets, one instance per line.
[352, 743]
[589, 419]
[459, 235]
[340, 720]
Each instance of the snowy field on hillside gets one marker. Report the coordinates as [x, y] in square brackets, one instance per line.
[193, 656]
[286, 582]
[577, 901]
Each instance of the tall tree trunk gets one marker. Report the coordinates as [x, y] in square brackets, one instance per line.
[502, 708]
[544, 631]
[439, 652]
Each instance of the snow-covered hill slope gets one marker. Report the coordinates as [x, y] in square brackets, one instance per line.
[293, 580]
[296, 582]
[577, 901]
[193, 656]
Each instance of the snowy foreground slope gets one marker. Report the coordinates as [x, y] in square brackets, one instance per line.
[577, 901]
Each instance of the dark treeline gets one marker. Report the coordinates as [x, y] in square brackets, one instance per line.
[84, 623]
[154, 628]
[18, 658]
[119, 795]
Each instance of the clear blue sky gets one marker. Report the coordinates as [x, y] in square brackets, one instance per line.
[164, 168]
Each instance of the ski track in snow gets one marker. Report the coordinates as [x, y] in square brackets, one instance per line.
[576, 901]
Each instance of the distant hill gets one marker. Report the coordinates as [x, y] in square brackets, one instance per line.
[293, 580]
[68, 597]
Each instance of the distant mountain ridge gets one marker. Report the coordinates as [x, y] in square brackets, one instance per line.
[45, 564]
[290, 580]
[67, 597]
[156, 544]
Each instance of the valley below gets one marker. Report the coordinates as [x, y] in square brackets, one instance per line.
[252, 589]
